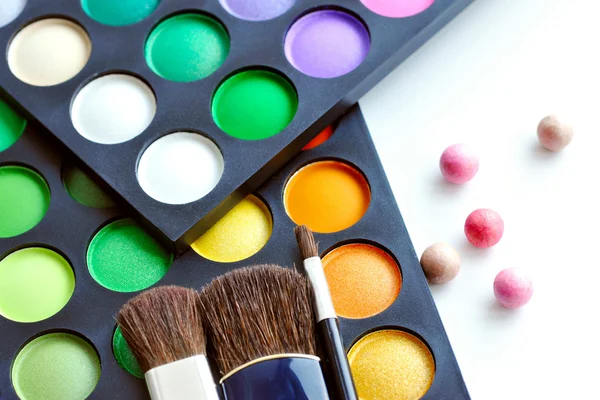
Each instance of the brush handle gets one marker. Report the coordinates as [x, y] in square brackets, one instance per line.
[337, 369]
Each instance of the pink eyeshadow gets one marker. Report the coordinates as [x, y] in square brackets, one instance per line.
[397, 8]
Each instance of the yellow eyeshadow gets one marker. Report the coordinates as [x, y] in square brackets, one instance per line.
[240, 234]
[391, 365]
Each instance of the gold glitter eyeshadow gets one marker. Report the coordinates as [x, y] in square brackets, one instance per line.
[391, 365]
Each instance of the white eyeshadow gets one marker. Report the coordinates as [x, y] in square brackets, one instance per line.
[113, 109]
[180, 168]
[10, 10]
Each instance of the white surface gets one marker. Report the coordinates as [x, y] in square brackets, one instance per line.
[9, 10]
[113, 109]
[180, 168]
[486, 80]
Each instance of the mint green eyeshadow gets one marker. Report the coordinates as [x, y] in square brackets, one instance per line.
[83, 189]
[124, 258]
[124, 356]
[119, 12]
[12, 126]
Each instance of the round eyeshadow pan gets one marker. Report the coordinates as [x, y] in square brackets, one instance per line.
[35, 284]
[124, 356]
[113, 109]
[364, 280]
[327, 196]
[397, 8]
[122, 257]
[180, 168]
[10, 10]
[119, 12]
[187, 47]
[321, 138]
[49, 51]
[56, 366]
[12, 126]
[83, 189]
[240, 234]
[391, 364]
[24, 200]
[257, 10]
[254, 104]
[327, 43]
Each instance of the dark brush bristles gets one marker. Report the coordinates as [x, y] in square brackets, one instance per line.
[163, 325]
[255, 312]
[306, 242]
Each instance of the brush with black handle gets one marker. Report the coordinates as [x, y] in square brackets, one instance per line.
[341, 383]
[164, 330]
[260, 330]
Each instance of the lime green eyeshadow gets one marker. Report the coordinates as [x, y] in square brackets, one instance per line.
[35, 284]
[187, 47]
[83, 189]
[254, 105]
[124, 258]
[24, 200]
[119, 12]
[56, 366]
[12, 126]
[124, 356]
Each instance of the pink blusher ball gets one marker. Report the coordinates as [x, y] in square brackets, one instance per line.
[513, 288]
[484, 228]
[459, 164]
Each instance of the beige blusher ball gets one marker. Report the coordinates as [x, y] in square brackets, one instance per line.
[440, 262]
[554, 133]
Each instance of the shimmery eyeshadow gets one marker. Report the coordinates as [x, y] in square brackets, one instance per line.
[10, 10]
[24, 200]
[124, 258]
[35, 284]
[241, 233]
[254, 105]
[180, 168]
[257, 10]
[56, 366]
[187, 47]
[321, 138]
[49, 51]
[391, 365]
[327, 196]
[397, 8]
[363, 279]
[327, 43]
[12, 126]
[83, 189]
[124, 356]
[119, 12]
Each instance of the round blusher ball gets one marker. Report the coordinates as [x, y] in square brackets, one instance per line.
[513, 288]
[554, 133]
[327, 43]
[10, 10]
[459, 164]
[440, 263]
[484, 228]
[180, 168]
[257, 10]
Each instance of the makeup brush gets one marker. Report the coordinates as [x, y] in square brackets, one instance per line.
[260, 329]
[337, 368]
[164, 330]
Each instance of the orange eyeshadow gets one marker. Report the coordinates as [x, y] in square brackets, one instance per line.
[320, 138]
[327, 196]
[363, 279]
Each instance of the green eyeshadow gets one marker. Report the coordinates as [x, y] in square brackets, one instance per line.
[119, 12]
[187, 47]
[12, 126]
[24, 200]
[83, 189]
[124, 356]
[254, 105]
[56, 366]
[124, 258]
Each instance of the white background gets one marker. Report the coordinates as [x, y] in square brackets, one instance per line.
[486, 80]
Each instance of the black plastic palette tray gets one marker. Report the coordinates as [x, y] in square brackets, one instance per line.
[69, 226]
[248, 164]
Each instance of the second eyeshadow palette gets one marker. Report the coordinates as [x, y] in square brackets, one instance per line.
[185, 107]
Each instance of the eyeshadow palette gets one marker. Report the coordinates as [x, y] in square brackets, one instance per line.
[185, 107]
[70, 259]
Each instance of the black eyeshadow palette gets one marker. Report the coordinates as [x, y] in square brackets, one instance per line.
[63, 280]
[185, 107]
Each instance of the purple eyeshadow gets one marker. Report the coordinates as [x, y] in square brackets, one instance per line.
[257, 10]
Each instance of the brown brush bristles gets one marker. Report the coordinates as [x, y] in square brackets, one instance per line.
[255, 312]
[306, 242]
[163, 325]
